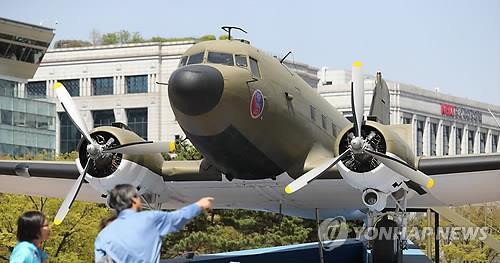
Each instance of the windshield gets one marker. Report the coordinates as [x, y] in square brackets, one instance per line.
[196, 58]
[220, 58]
[183, 61]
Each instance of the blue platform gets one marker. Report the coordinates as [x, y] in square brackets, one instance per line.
[349, 251]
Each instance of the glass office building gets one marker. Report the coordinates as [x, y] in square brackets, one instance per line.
[27, 126]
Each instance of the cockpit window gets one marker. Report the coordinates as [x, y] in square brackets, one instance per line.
[220, 58]
[254, 66]
[196, 58]
[241, 61]
[183, 61]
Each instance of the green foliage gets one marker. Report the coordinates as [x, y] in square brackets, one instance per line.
[463, 250]
[207, 37]
[136, 38]
[71, 43]
[110, 38]
[229, 230]
[184, 150]
[172, 39]
[223, 37]
[72, 241]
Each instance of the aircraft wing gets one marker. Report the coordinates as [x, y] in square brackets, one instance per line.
[435, 165]
[43, 178]
[464, 179]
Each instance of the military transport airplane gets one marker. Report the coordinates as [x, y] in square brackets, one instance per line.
[269, 141]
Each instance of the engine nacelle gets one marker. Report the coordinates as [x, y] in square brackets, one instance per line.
[142, 171]
[362, 171]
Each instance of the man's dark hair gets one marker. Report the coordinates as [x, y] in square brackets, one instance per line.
[120, 198]
[29, 226]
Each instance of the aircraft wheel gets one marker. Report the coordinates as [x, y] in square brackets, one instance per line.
[387, 250]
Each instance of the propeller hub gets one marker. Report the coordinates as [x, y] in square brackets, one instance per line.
[94, 150]
[357, 144]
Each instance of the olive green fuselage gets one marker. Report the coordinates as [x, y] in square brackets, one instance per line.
[295, 118]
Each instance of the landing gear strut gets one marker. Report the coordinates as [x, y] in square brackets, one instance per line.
[388, 233]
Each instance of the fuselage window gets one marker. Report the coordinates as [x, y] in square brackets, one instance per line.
[183, 61]
[241, 61]
[313, 112]
[254, 66]
[323, 121]
[220, 58]
[196, 58]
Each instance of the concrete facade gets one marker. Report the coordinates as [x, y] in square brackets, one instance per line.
[157, 61]
[432, 110]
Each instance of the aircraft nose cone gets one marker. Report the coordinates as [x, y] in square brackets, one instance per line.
[195, 89]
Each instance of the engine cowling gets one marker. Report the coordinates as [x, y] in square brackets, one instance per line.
[110, 169]
[361, 170]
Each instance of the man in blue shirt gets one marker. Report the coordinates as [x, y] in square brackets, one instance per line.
[136, 236]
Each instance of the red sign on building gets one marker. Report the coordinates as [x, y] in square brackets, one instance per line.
[448, 109]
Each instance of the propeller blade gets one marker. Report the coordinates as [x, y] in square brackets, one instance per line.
[403, 169]
[357, 96]
[70, 197]
[141, 148]
[70, 107]
[306, 178]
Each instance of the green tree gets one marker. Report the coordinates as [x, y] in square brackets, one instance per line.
[223, 37]
[72, 241]
[207, 37]
[110, 38]
[71, 43]
[136, 38]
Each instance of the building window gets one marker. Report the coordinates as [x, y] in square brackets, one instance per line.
[458, 141]
[433, 130]
[102, 86]
[36, 89]
[470, 142]
[494, 143]
[420, 138]
[138, 121]
[482, 142]
[137, 84]
[406, 120]
[446, 139]
[72, 86]
[7, 88]
[6, 117]
[313, 112]
[69, 136]
[254, 67]
[323, 121]
[103, 117]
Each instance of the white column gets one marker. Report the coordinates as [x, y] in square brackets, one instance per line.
[488, 142]
[58, 133]
[414, 132]
[439, 138]
[477, 140]
[120, 115]
[87, 118]
[465, 140]
[427, 137]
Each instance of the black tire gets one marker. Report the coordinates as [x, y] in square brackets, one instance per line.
[387, 250]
